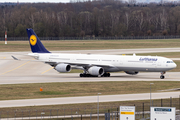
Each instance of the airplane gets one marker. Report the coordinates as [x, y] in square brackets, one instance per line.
[95, 64]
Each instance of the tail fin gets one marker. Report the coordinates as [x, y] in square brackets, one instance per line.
[35, 43]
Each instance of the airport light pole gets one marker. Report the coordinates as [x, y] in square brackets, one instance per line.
[150, 93]
[98, 105]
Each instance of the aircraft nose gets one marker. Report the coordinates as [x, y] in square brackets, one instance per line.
[174, 65]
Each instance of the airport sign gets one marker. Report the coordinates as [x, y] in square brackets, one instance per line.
[163, 113]
[127, 112]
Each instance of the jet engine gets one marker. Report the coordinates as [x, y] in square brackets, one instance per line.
[63, 68]
[96, 71]
[131, 72]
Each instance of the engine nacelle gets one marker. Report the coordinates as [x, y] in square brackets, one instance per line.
[63, 68]
[131, 72]
[96, 71]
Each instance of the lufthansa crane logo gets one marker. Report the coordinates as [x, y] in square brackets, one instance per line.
[33, 40]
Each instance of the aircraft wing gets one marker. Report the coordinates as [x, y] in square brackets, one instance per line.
[74, 65]
[79, 64]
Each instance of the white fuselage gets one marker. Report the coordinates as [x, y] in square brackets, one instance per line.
[111, 63]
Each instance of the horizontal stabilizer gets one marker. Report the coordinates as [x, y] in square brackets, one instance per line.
[15, 58]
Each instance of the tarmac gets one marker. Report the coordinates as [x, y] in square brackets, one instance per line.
[86, 99]
[26, 71]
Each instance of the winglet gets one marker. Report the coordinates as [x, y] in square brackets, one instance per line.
[35, 43]
[15, 58]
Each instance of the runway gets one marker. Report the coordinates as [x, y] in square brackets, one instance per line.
[74, 77]
[86, 99]
[17, 72]
[26, 71]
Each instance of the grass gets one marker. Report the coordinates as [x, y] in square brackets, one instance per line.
[50, 90]
[164, 54]
[14, 46]
[52, 93]
[85, 109]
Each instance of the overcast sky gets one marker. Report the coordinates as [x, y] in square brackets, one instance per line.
[64, 1]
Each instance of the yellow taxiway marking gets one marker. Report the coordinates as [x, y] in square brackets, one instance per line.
[15, 68]
[47, 70]
[3, 58]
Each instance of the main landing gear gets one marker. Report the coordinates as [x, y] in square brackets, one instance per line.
[106, 75]
[162, 75]
[85, 75]
[88, 75]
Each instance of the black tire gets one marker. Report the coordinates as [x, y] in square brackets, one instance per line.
[108, 75]
[84, 75]
[81, 75]
[162, 77]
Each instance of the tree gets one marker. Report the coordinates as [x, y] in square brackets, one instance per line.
[149, 32]
[20, 30]
[99, 18]
[165, 32]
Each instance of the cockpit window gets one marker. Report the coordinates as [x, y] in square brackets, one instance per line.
[170, 62]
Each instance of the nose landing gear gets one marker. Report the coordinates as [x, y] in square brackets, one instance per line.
[162, 75]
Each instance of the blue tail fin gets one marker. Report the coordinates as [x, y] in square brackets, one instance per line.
[35, 43]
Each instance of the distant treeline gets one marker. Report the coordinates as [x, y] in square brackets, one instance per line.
[90, 19]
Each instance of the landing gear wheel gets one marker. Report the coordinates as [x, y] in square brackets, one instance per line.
[85, 75]
[162, 77]
[106, 75]
[81, 75]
